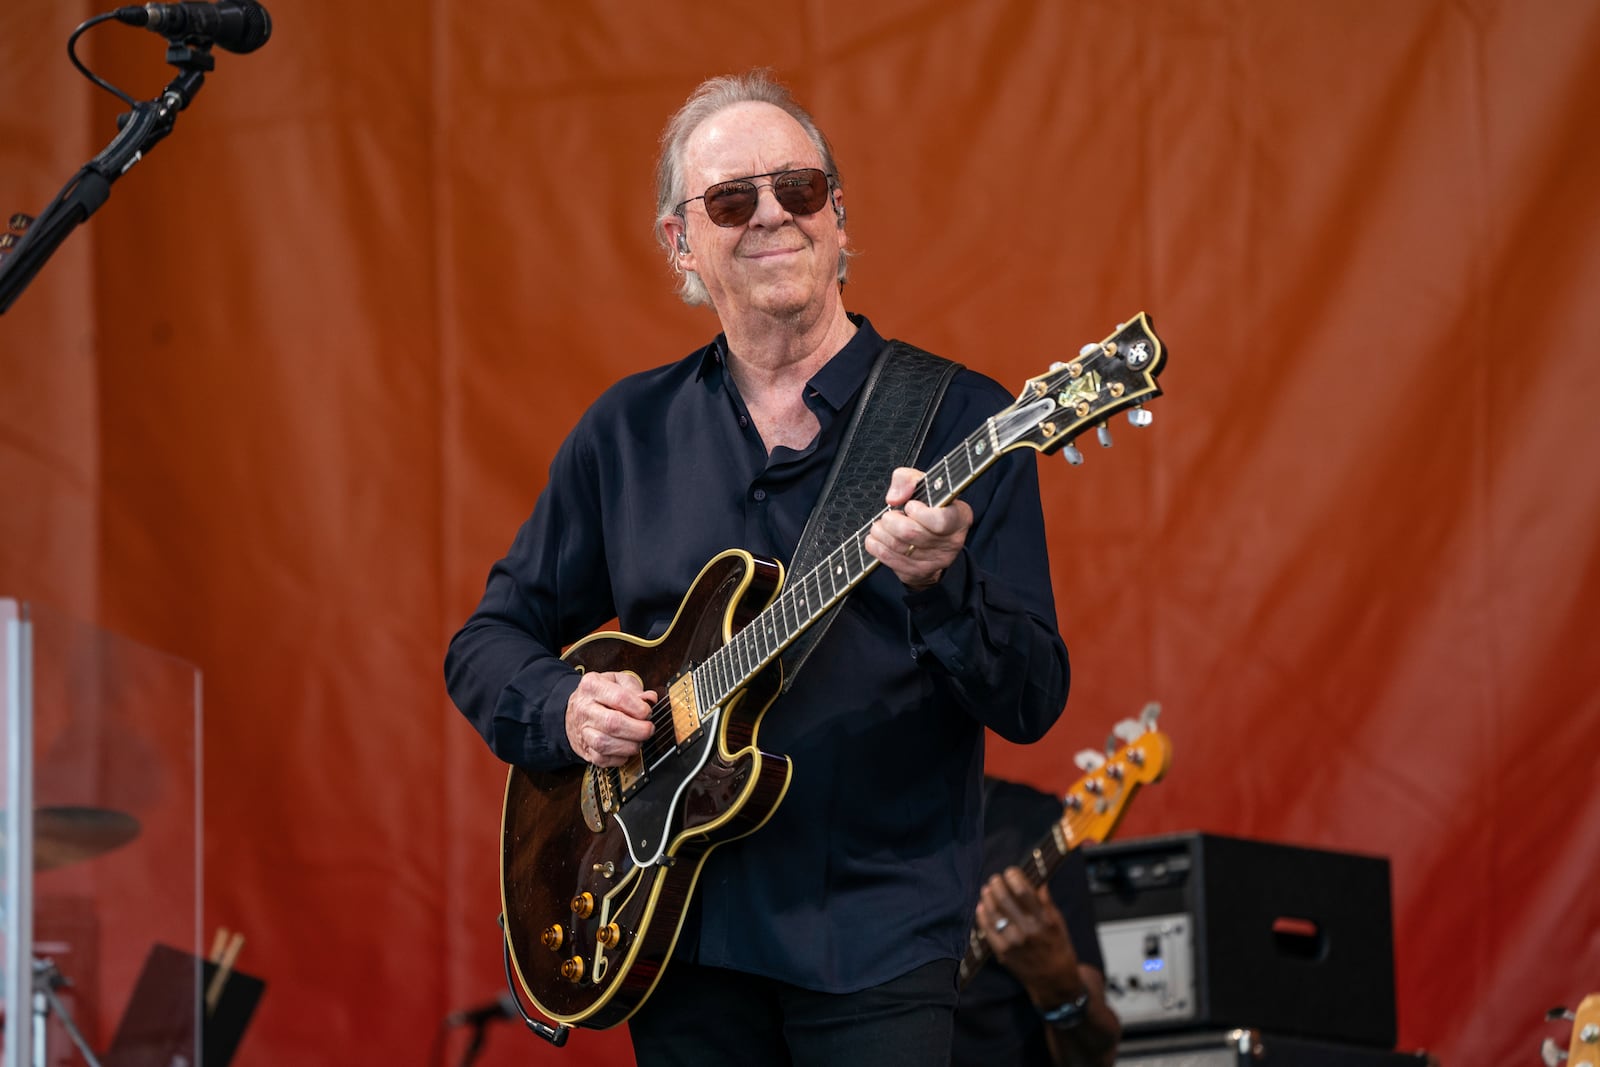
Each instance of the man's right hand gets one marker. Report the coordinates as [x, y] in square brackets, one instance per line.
[608, 717]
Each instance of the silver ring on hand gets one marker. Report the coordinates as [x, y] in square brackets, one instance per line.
[1001, 924]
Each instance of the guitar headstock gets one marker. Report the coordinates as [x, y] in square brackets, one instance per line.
[1137, 755]
[1585, 1050]
[1115, 375]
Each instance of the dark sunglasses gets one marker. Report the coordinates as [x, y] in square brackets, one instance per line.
[799, 192]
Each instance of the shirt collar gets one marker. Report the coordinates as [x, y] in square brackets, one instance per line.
[843, 375]
[839, 378]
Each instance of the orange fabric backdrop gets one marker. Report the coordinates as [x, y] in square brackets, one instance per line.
[277, 407]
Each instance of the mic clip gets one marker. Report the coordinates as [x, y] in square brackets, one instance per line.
[149, 122]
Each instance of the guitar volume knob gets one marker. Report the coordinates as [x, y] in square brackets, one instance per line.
[609, 935]
[583, 905]
[572, 969]
[553, 937]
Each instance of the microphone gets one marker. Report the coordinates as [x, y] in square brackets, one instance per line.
[502, 1007]
[232, 25]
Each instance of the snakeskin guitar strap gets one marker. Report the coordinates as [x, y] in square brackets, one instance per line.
[890, 424]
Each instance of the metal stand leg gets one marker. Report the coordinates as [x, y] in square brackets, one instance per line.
[46, 980]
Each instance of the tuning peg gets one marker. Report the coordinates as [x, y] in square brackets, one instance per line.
[1103, 432]
[1070, 453]
[1089, 761]
[20, 222]
[1558, 1013]
[1129, 730]
[1552, 1053]
[1058, 365]
[1123, 734]
[1140, 417]
[1088, 350]
[1150, 713]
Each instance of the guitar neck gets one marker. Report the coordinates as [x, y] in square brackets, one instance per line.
[1115, 375]
[1093, 808]
[803, 602]
[1037, 866]
[1048, 852]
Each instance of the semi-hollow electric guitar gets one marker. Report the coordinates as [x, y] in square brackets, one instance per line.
[1137, 755]
[598, 864]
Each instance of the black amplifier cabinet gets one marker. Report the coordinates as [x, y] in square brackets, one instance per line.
[1202, 931]
[1251, 1048]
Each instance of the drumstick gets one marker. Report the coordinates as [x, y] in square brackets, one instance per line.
[224, 969]
[218, 944]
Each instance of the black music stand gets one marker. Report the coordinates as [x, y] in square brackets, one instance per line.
[158, 1025]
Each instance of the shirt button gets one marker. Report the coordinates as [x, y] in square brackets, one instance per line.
[743, 421]
[760, 494]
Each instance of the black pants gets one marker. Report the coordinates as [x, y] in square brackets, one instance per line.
[706, 1017]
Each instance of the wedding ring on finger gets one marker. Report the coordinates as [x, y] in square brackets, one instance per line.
[1001, 924]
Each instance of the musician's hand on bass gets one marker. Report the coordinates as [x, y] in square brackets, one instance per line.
[1027, 933]
[608, 717]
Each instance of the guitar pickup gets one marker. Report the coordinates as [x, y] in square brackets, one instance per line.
[632, 776]
[685, 708]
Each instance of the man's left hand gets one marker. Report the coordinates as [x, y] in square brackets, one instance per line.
[1029, 936]
[913, 539]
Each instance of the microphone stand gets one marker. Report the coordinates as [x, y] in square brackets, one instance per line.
[475, 1045]
[46, 980]
[138, 131]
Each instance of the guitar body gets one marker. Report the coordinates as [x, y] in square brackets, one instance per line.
[597, 869]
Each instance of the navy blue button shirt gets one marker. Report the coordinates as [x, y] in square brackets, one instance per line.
[870, 866]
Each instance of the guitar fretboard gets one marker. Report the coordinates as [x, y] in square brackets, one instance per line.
[803, 602]
[1040, 863]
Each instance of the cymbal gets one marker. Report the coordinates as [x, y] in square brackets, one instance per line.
[65, 834]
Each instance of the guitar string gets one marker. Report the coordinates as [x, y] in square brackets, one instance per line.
[748, 660]
[734, 663]
[793, 599]
[657, 745]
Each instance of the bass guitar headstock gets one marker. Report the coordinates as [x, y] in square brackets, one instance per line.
[1585, 1047]
[1137, 754]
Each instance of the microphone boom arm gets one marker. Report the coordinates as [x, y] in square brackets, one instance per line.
[138, 131]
